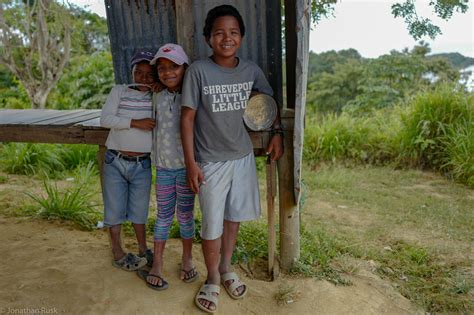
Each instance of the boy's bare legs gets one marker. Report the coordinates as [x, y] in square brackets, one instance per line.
[229, 237]
[211, 250]
[157, 268]
[117, 250]
[140, 232]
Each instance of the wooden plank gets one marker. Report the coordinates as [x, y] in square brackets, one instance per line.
[290, 49]
[271, 193]
[100, 161]
[303, 26]
[98, 136]
[41, 135]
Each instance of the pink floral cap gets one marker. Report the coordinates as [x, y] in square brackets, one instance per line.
[172, 52]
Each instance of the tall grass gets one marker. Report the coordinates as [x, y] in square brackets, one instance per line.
[77, 155]
[71, 204]
[433, 130]
[47, 160]
[30, 159]
[366, 139]
[430, 122]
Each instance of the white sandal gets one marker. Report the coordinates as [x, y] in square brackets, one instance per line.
[234, 285]
[206, 293]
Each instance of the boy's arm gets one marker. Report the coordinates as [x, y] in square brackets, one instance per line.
[195, 176]
[275, 147]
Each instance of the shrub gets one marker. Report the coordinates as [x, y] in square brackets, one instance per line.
[429, 122]
[30, 159]
[72, 204]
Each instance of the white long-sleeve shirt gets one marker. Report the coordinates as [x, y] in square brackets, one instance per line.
[124, 104]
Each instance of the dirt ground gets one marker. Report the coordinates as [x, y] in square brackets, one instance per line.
[55, 268]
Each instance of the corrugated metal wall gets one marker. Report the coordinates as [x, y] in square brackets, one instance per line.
[135, 24]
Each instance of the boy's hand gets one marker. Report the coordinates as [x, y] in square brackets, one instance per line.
[195, 177]
[275, 147]
[145, 123]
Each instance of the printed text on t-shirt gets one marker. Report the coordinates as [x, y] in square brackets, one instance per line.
[228, 97]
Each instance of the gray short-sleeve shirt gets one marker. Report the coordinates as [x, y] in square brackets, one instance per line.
[220, 95]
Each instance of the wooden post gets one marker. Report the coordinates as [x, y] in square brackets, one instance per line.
[289, 211]
[100, 160]
[271, 193]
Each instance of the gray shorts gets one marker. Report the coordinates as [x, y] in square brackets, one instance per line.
[230, 193]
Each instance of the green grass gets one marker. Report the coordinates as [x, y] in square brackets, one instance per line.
[30, 159]
[75, 202]
[416, 226]
[433, 130]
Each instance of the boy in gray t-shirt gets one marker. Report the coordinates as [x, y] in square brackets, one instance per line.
[218, 151]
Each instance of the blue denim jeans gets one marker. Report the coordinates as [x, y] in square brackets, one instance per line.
[126, 190]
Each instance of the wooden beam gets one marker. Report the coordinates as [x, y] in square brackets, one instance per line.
[303, 14]
[290, 51]
[271, 193]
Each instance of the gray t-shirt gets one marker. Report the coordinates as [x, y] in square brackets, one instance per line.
[168, 151]
[219, 95]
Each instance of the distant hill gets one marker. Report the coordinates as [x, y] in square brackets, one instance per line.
[457, 60]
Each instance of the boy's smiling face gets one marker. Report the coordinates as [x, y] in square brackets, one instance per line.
[225, 37]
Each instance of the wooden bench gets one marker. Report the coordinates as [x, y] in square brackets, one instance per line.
[82, 126]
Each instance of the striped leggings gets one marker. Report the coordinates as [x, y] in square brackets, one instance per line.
[173, 192]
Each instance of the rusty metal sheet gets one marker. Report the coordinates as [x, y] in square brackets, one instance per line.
[151, 23]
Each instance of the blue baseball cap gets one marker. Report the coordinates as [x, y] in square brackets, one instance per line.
[141, 55]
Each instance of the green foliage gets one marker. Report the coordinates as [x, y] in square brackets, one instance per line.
[318, 250]
[71, 204]
[91, 33]
[456, 59]
[459, 148]
[344, 81]
[85, 84]
[48, 159]
[12, 93]
[430, 121]
[417, 26]
[423, 279]
[30, 159]
[433, 130]
[332, 91]
[362, 139]
[322, 8]
[252, 242]
[77, 155]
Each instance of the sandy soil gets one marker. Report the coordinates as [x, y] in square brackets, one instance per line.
[58, 269]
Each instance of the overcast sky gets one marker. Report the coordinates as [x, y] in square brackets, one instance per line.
[369, 27]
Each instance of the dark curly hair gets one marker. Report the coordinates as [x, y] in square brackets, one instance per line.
[217, 12]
